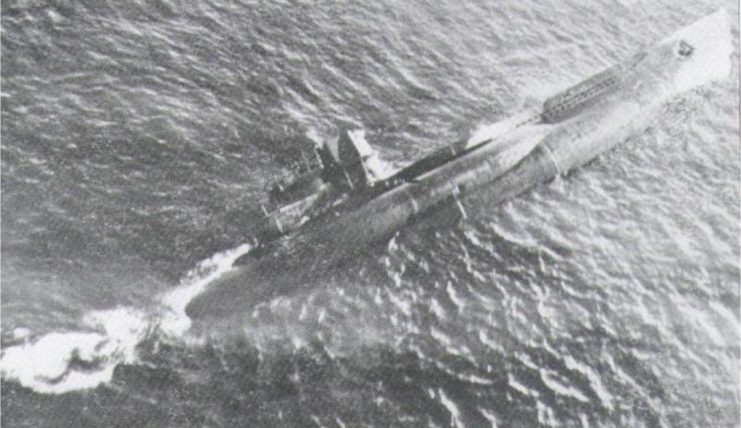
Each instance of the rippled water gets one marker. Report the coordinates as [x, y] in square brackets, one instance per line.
[137, 136]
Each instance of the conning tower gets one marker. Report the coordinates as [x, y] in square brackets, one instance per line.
[349, 162]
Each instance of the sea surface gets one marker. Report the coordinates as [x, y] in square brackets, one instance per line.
[137, 137]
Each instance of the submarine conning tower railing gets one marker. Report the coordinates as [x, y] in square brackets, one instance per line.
[577, 98]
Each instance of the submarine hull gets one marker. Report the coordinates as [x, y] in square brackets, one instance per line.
[573, 128]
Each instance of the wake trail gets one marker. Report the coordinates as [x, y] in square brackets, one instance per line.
[52, 363]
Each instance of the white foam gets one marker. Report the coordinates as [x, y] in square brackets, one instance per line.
[60, 362]
[522, 389]
[174, 321]
[550, 379]
[455, 413]
[490, 416]
[21, 333]
[595, 382]
[455, 297]
[45, 365]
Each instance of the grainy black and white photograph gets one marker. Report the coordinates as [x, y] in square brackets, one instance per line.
[391, 213]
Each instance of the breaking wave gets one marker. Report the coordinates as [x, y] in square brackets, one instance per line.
[60, 362]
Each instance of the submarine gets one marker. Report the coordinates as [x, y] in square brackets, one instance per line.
[345, 201]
